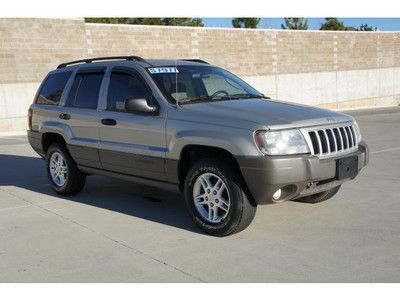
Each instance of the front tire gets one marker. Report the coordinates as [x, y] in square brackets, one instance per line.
[63, 174]
[216, 199]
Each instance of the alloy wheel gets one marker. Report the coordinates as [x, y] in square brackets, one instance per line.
[211, 197]
[58, 169]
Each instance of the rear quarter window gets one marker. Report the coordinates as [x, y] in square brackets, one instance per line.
[52, 89]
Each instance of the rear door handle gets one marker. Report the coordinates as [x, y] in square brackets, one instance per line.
[64, 116]
[109, 122]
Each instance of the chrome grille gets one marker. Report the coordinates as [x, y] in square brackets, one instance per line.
[333, 140]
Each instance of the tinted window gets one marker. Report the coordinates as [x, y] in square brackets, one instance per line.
[122, 87]
[85, 90]
[52, 89]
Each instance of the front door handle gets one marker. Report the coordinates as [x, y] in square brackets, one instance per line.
[64, 116]
[109, 122]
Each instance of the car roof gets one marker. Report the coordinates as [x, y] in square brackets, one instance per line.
[172, 62]
[145, 64]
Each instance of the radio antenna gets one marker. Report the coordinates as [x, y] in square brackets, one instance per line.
[176, 83]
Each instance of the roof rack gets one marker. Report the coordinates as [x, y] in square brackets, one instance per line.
[196, 60]
[90, 60]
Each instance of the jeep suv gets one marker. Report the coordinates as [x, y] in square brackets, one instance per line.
[192, 127]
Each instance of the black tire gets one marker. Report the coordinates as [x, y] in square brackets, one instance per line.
[241, 211]
[320, 197]
[75, 179]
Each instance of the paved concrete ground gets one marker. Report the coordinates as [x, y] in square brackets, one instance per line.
[120, 232]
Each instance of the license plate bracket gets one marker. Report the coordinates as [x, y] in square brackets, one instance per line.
[346, 167]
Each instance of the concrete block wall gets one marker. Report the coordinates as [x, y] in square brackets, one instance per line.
[29, 49]
[330, 69]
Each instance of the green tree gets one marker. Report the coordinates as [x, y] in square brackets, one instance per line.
[366, 27]
[295, 24]
[136, 21]
[197, 22]
[335, 24]
[245, 22]
[149, 21]
[332, 24]
[142, 21]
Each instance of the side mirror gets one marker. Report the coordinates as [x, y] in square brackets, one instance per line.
[140, 105]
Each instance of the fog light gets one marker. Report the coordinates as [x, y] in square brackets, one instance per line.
[277, 195]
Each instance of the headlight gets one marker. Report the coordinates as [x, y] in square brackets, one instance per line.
[281, 142]
[358, 132]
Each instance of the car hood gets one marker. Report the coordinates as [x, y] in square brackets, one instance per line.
[250, 113]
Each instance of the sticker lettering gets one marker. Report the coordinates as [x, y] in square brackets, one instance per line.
[163, 70]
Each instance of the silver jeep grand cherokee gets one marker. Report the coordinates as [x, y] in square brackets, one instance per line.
[189, 126]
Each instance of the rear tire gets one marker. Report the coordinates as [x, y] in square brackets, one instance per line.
[320, 197]
[63, 174]
[230, 215]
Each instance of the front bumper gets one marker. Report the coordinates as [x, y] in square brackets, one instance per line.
[297, 176]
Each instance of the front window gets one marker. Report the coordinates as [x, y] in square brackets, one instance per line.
[189, 84]
[122, 87]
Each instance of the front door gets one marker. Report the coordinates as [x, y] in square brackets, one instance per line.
[131, 143]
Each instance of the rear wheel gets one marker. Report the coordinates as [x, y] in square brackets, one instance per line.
[216, 199]
[320, 196]
[64, 176]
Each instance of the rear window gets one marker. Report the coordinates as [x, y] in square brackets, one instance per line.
[52, 89]
[85, 90]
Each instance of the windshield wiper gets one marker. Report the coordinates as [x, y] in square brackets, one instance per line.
[190, 99]
[218, 97]
[243, 95]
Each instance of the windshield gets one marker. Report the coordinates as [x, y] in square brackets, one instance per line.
[189, 84]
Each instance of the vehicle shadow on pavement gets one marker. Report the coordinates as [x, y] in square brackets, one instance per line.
[120, 196]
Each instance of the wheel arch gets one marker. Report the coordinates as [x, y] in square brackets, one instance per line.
[49, 138]
[190, 154]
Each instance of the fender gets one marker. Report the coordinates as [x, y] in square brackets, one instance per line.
[243, 143]
[56, 127]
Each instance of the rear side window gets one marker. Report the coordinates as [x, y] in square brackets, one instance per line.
[52, 89]
[85, 90]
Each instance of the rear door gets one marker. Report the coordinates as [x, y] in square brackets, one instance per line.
[81, 115]
[131, 143]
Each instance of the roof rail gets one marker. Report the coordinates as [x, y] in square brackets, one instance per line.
[196, 60]
[90, 60]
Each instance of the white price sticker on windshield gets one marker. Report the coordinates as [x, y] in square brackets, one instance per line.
[163, 70]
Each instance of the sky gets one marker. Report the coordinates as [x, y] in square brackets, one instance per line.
[384, 24]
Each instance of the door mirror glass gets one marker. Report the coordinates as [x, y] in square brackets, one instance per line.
[140, 105]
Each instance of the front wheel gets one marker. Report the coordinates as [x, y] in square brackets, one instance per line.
[216, 199]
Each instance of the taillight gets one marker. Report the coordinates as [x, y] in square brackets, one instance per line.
[30, 112]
